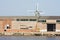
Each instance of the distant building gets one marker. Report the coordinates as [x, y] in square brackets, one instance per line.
[15, 24]
[29, 24]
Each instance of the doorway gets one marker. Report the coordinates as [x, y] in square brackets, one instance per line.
[51, 27]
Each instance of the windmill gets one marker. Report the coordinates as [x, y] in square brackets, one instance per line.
[36, 12]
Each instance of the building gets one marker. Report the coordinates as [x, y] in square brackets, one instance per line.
[10, 25]
[22, 24]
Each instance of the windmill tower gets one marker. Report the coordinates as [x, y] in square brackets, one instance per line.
[36, 12]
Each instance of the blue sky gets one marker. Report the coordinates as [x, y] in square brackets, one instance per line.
[21, 7]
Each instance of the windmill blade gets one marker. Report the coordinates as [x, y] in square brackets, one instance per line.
[37, 6]
[33, 11]
[41, 13]
[36, 11]
[30, 10]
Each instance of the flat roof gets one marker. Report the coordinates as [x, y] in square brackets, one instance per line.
[32, 17]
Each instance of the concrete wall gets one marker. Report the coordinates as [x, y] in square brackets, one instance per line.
[50, 21]
[43, 27]
[1, 26]
[16, 25]
[21, 24]
[57, 27]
